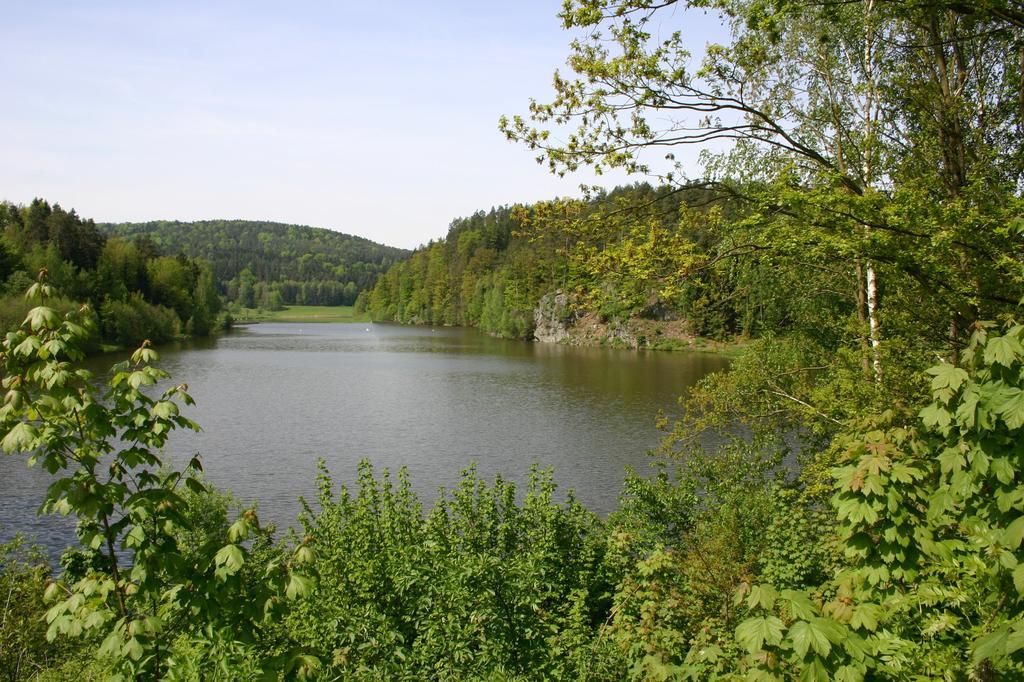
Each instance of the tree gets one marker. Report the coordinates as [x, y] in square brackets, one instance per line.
[882, 135]
[104, 450]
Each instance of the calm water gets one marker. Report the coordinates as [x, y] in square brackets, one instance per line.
[274, 398]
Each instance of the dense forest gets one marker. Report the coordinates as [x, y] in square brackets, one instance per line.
[136, 290]
[265, 264]
[632, 252]
[859, 511]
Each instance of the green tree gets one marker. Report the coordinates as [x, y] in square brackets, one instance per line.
[879, 135]
[104, 450]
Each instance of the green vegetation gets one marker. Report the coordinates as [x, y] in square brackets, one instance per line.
[634, 252]
[137, 292]
[266, 265]
[300, 313]
[133, 292]
[194, 581]
[728, 566]
[868, 523]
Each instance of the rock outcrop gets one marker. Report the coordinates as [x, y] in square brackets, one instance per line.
[552, 318]
[557, 320]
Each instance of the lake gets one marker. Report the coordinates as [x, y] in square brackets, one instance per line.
[274, 398]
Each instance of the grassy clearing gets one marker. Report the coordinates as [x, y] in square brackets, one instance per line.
[302, 313]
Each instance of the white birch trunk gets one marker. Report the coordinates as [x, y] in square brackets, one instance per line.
[873, 331]
[870, 100]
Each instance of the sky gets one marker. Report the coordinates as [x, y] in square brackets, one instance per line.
[378, 119]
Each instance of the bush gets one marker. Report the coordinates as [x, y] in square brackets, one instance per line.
[24, 650]
[481, 586]
[132, 321]
[14, 308]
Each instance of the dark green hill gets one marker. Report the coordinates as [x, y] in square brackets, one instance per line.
[254, 259]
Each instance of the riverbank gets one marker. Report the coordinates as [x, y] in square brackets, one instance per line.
[638, 334]
[556, 320]
[300, 313]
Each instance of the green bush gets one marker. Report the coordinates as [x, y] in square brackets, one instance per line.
[481, 586]
[14, 308]
[132, 321]
[24, 650]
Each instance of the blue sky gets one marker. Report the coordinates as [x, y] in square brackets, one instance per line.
[373, 118]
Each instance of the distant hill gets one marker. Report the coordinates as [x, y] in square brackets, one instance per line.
[253, 259]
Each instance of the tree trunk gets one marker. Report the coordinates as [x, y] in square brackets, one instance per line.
[873, 324]
[870, 113]
[862, 317]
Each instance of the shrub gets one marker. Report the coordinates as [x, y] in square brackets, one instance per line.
[132, 321]
[482, 585]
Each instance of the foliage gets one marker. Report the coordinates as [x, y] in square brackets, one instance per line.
[132, 321]
[24, 650]
[137, 293]
[932, 517]
[929, 522]
[660, 261]
[871, 152]
[264, 264]
[686, 542]
[811, 520]
[105, 452]
[482, 585]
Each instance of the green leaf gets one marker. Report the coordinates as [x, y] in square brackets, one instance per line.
[304, 555]
[27, 347]
[951, 459]
[848, 673]
[111, 645]
[133, 649]
[806, 635]
[935, 415]
[1012, 409]
[140, 378]
[194, 485]
[992, 646]
[815, 672]
[800, 605]
[1002, 350]
[1014, 533]
[20, 438]
[299, 586]
[947, 376]
[763, 595]
[239, 530]
[165, 409]
[940, 502]
[1003, 470]
[230, 558]
[1015, 640]
[754, 632]
[41, 316]
[967, 411]
[866, 616]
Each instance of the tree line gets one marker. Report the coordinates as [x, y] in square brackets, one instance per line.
[135, 291]
[267, 264]
[635, 251]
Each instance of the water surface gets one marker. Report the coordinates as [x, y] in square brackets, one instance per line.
[274, 398]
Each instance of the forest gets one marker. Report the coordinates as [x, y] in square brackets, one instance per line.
[859, 512]
[631, 252]
[269, 265]
[135, 290]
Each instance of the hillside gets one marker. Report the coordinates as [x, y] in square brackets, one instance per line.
[260, 262]
[134, 291]
[617, 268]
